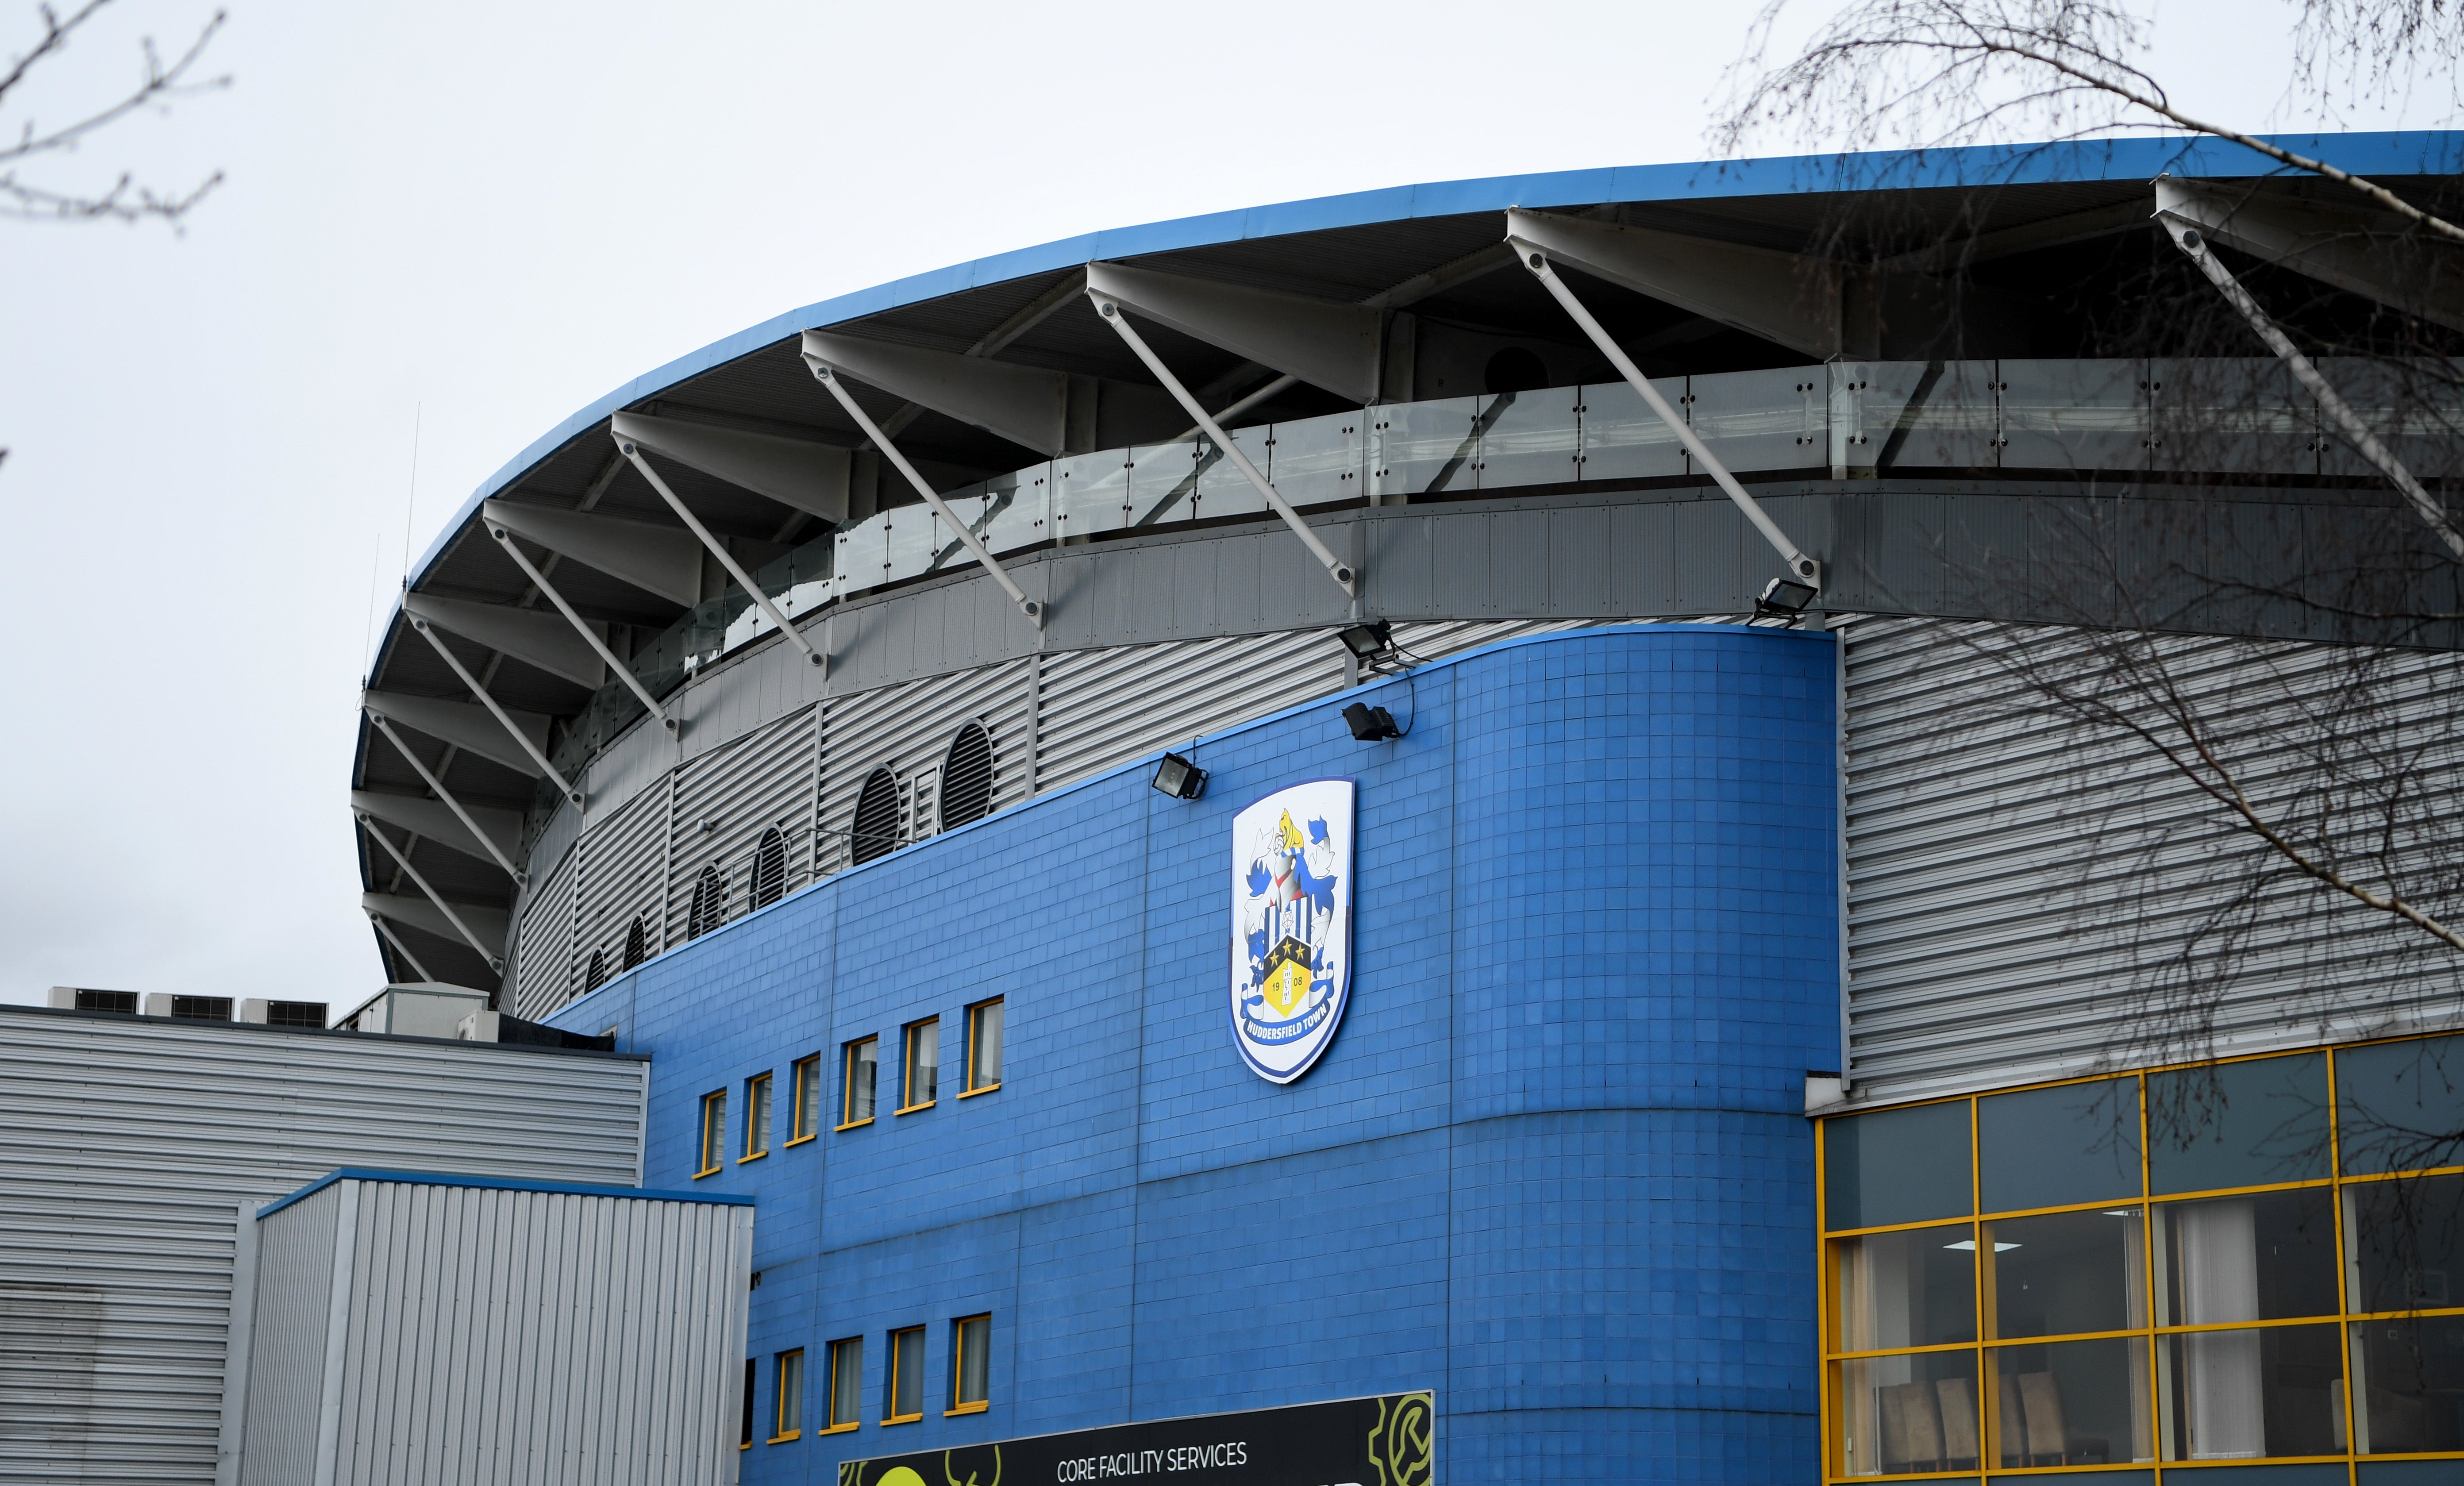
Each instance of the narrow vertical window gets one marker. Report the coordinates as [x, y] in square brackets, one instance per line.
[855, 1087]
[971, 1345]
[983, 1047]
[596, 974]
[803, 1120]
[904, 1388]
[920, 1073]
[847, 1384]
[637, 943]
[756, 1116]
[769, 869]
[714, 1133]
[751, 1380]
[709, 908]
[791, 1397]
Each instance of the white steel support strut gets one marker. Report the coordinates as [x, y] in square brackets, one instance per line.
[1336, 568]
[521, 878]
[481, 692]
[495, 960]
[399, 947]
[718, 549]
[1803, 568]
[2191, 242]
[973, 545]
[622, 672]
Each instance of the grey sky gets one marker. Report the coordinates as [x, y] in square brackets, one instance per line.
[495, 213]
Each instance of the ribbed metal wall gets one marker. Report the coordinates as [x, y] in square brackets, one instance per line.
[1101, 707]
[2025, 889]
[726, 798]
[125, 1144]
[292, 1321]
[543, 942]
[609, 1348]
[909, 728]
[624, 861]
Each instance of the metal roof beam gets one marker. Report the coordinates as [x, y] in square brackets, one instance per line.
[1535, 257]
[499, 832]
[527, 635]
[1321, 341]
[811, 477]
[537, 751]
[2376, 255]
[632, 450]
[835, 380]
[1780, 296]
[589, 632]
[657, 559]
[1026, 405]
[465, 726]
[431, 914]
[385, 930]
[444, 824]
[1115, 317]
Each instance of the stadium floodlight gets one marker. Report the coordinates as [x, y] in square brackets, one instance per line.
[1783, 599]
[1180, 779]
[1369, 642]
[1370, 724]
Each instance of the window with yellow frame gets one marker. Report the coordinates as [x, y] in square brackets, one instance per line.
[847, 1384]
[2245, 1261]
[804, 1086]
[903, 1388]
[860, 1068]
[714, 1133]
[756, 1116]
[919, 1071]
[983, 1048]
[971, 1347]
[789, 1407]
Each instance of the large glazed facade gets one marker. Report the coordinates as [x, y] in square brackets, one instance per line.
[1553, 1167]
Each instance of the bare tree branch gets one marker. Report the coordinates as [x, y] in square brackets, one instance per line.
[157, 85]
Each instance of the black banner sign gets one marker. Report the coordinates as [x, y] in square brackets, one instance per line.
[1387, 1441]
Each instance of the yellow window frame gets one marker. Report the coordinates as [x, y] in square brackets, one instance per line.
[893, 1372]
[848, 1059]
[958, 1364]
[757, 1117]
[804, 1085]
[832, 1424]
[714, 1134]
[780, 1392]
[908, 1064]
[969, 1088]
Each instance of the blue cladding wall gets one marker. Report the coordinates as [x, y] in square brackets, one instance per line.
[1554, 1166]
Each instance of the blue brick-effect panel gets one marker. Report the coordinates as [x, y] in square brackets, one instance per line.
[1552, 1165]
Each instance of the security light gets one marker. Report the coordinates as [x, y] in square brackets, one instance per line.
[1180, 779]
[1368, 643]
[1783, 599]
[1370, 724]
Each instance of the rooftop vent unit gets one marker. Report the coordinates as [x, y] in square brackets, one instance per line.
[188, 1008]
[81, 999]
[283, 1014]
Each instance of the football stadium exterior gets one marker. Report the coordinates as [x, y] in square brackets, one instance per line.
[1384, 840]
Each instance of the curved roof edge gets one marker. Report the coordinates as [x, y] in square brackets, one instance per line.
[2416, 152]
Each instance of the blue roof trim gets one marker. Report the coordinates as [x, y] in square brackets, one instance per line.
[2418, 152]
[358, 1173]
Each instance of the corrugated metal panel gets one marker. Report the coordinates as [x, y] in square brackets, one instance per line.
[909, 728]
[623, 875]
[545, 973]
[1436, 641]
[1101, 707]
[125, 1144]
[520, 1337]
[288, 1338]
[725, 799]
[2024, 888]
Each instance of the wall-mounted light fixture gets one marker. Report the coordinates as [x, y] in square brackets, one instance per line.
[1370, 724]
[1783, 599]
[1368, 644]
[1180, 779]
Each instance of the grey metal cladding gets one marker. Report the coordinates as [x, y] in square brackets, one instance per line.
[288, 1336]
[125, 1146]
[544, 957]
[2018, 884]
[1181, 691]
[907, 729]
[624, 872]
[726, 799]
[500, 1337]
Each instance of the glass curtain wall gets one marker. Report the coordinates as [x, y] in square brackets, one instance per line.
[2238, 1274]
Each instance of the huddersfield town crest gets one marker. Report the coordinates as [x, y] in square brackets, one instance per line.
[1291, 926]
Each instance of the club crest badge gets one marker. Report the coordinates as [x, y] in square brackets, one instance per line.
[1291, 926]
